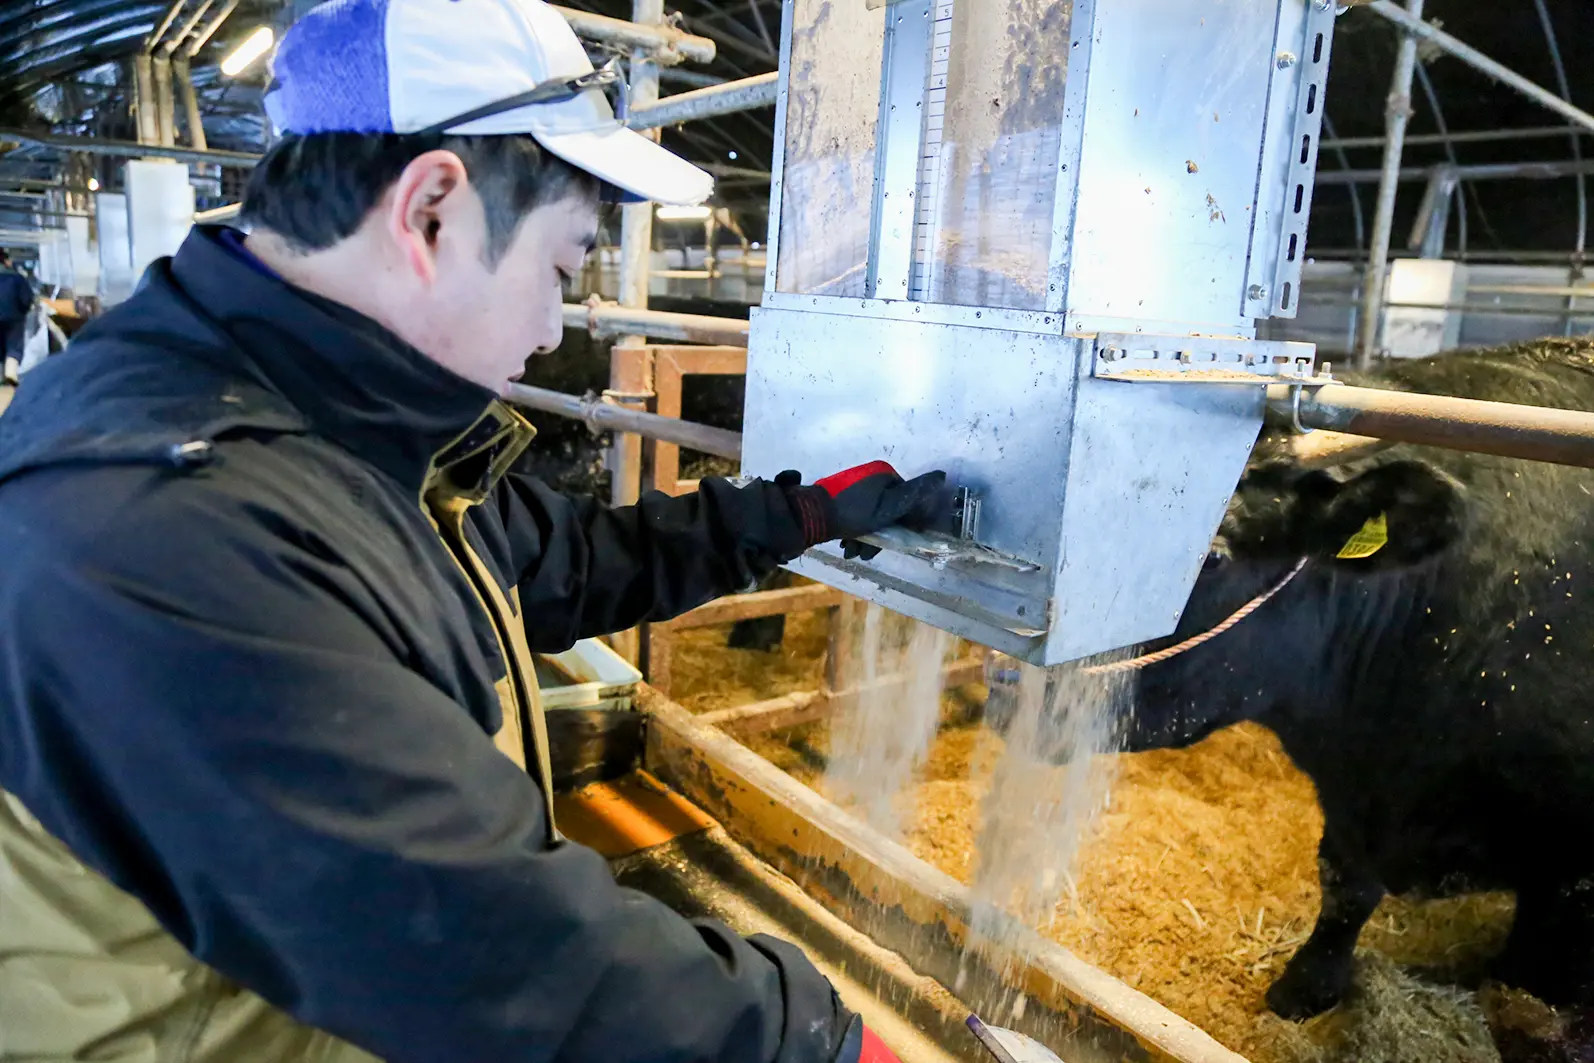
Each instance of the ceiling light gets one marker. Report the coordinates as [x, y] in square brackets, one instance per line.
[94, 184]
[253, 47]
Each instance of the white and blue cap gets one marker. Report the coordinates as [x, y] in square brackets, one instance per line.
[486, 67]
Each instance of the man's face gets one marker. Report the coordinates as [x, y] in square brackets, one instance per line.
[483, 321]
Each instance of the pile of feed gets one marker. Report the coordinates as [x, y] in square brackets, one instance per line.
[1198, 883]
[1201, 880]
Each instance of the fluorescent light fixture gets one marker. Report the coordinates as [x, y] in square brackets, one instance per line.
[698, 213]
[253, 47]
[94, 184]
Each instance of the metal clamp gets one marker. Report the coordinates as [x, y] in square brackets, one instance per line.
[1325, 375]
[1295, 409]
[966, 509]
[591, 402]
[594, 303]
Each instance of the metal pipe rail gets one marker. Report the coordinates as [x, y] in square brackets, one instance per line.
[210, 28]
[609, 320]
[1533, 433]
[1478, 61]
[1558, 313]
[668, 44]
[726, 98]
[218, 214]
[128, 149]
[163, 25]
[1488, 171]
[1397, 114]
[1468, 136]
[599, 414]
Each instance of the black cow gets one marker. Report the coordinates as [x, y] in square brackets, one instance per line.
[762, 633]
[1440, 692]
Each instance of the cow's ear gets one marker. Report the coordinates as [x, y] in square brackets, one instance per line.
[1395, 514]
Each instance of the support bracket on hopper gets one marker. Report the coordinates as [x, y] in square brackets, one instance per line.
[1202, 359]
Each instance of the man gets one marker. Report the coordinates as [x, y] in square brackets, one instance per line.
[16, 300]
[269, 602]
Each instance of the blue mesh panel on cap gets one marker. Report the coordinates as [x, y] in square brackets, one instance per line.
[331, 71]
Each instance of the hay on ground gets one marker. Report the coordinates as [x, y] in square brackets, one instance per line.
[1199, 883]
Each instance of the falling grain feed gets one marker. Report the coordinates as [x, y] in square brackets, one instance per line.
[880, 738]
[1048, 785]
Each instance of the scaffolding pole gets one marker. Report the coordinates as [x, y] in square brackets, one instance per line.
[163, 25]
[604, 320]
[169, 46]
[1487, 171]
[149, 132]
[1470, 136]
[205, 33]
[727, 98]
[125, 149]
[1397, 115]
[1410, 20]
[659, 42]
[599, 415]
[184, 74]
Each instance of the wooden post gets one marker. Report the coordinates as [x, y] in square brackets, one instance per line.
[841, 670]
[670, 366]
[630, 361]
[631, 382]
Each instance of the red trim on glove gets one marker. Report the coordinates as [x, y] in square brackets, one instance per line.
[839, 482]
[874, 1050]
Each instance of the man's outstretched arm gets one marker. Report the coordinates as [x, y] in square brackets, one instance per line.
[585, 569]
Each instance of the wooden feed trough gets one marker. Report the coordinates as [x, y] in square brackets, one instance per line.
[905, 905]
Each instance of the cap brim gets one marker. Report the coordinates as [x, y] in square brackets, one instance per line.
[633, 163]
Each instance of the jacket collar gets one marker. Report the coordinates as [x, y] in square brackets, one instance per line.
[356, 383]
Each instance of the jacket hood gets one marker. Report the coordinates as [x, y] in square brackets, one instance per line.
[125, 404]
[212, 344]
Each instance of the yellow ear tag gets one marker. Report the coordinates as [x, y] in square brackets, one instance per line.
[1367, 542]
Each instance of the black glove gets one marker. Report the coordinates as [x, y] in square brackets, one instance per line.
[862, 500]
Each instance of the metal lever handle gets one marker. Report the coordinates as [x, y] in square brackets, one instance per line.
[943, 550]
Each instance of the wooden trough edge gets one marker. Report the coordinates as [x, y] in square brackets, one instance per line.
[751, 606]
[809, 706]
[908, 906]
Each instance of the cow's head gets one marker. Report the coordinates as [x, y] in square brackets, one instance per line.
[1401, 514]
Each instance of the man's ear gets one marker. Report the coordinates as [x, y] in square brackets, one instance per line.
[1392, 515]
[428, 192]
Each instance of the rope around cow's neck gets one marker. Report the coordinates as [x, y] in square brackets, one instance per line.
[1206, 636]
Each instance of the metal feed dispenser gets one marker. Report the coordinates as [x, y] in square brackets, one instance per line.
[1018, 240]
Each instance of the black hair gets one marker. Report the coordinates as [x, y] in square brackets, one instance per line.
[317, 189]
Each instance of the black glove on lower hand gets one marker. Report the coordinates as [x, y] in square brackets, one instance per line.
[863, 500]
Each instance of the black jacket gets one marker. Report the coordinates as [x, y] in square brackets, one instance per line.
[244, 679]
[16, 298]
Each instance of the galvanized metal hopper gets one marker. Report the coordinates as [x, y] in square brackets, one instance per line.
[987, 216]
